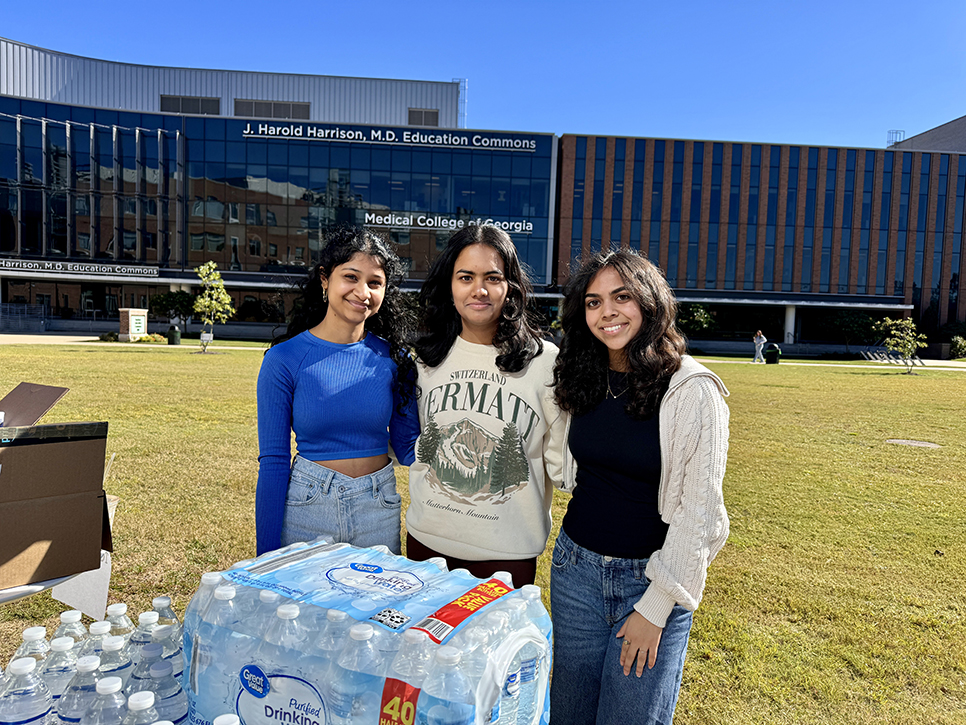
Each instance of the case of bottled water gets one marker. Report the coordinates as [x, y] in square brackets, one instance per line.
[330, 634]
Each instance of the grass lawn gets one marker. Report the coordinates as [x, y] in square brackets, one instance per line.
[839, 598]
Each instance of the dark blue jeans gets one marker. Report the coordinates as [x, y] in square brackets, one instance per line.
[590, 597]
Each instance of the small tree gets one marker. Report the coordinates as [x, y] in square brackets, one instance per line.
[901, 337]
[693, 317]
[213, 304]
[173, 305]
[853, 326]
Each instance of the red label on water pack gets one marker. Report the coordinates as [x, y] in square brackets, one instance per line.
[398, 705]
[440, 624]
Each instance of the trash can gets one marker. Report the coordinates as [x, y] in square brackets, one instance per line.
[174, 335]
[772, 353]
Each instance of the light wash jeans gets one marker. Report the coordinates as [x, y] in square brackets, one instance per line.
[362, 511]
[590, 597]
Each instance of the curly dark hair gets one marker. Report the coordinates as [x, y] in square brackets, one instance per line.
[580, 372]
[394, 320]
[518, 337]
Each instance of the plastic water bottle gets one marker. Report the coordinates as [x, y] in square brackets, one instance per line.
[510, 694]
[59, 667]
[170, 699]
[413, 659]
[121, 624]
[141, 674]
[447, 696]
[71, 626]
[283, 639]
[25, 699]
[94, 644]
[356, 683]
[169, 638]
[115, 661]
[109, 706]
[140, 709]
[534, 661]
[263, 613]
[34, 645]
[192, 617]
[166, 614]
[141, 636]
[80, 692]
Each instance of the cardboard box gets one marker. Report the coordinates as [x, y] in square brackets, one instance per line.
[53, 510]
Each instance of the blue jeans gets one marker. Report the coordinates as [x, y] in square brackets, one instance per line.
[362, 511]
[590, 597]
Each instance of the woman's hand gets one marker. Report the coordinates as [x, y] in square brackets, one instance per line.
[641, 639]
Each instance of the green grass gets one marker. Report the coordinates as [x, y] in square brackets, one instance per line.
[829, 604]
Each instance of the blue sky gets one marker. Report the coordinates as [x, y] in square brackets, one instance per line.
[783, 71]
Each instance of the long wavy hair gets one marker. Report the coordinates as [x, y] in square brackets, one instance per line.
[394, 320]
[580, 372]
[518, 337]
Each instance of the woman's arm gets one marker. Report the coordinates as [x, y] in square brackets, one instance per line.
[693, 503]
[276, 388]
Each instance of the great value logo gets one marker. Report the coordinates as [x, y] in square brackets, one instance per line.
[373, 579]
[254, 680]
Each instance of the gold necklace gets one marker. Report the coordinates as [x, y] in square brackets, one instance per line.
[611, 392]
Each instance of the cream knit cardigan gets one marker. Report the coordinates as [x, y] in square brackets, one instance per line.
[694, 451]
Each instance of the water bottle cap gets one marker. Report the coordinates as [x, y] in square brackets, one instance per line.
[109, 685]
[412, 636]
[210, 578]
[504, 576]
[100, 627]
[88, 663]
[62, 644]
[161, 669]
[141, 700]
[34, 634]
[225, 592]
[70, 616]
[530, 591]
[148, 618]
[447, 655]
[361, 632]
[226, 719]
[159, 602]
[287, 611]
[22, 666]
[112, 644]
[116, 610]
[151, 650]
[162, 631]
[336, 615]
[268, 597]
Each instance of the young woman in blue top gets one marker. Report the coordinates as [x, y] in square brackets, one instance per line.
[343, 381]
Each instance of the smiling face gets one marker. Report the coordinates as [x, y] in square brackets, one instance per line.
[612, 314]
[356, 290]
[479, 291]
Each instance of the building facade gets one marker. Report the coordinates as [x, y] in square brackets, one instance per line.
[801, 229]
[117, 181]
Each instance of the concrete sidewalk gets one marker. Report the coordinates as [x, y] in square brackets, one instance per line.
[53, 338]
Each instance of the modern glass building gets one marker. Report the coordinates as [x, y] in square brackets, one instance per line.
[100, 208]
[792, 228]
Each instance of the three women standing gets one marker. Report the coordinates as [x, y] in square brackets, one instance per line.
[647, 447]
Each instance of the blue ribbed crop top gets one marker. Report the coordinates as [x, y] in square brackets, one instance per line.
[342, 401]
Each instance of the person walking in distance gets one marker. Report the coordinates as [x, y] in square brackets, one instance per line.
[759, 341]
